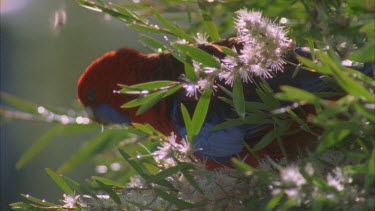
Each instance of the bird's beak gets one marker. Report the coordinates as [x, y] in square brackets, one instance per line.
[105, 114]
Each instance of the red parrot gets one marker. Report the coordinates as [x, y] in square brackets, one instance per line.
[126, 66]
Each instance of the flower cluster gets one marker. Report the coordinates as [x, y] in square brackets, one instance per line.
[301, 183]
[172, 151]
[214, 190]
[264, 45]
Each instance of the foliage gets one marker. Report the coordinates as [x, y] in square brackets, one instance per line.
[339, 174]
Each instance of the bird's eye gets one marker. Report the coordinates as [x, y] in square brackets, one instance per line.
[91, 95]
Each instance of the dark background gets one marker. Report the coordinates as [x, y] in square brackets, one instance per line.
[42, 64]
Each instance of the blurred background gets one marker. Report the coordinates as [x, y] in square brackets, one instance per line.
[45, 46]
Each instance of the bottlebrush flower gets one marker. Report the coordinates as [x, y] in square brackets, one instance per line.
[265, 42]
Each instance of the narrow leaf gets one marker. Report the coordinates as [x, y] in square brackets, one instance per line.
[137, 167]
[207, 19]
[59, 181]
[108, 182]
[147, 128]
[364, 54]
[198, 55]
[38, 201]
[336, 134]
[168, 172]
[79, 188]
[201, 111]
[189, 70]
[152, 101]
[110, 192]
[295, 94]
[238, 98]
[187, 122]
[18, 103]
[103, 141]
[180, 204]
[370, 176]
[47, 137]
[174, 29]
[265, 141]
[148, 85]
[154, 43]
[228, 51]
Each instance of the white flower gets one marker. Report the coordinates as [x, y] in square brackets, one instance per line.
[291, 175]
[338, 179]
[71, 201]
[309, 169]
[201, 38]
[264, 42]
[172, 150]
[191, 90]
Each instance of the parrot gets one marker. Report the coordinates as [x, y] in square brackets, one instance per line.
[97, 92]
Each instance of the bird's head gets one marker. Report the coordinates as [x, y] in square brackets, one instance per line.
[98, 85]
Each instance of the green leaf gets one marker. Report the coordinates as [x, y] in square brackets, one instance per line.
[277, 131]
[108, 182]
[242, 165]
[239, 98]
[110, 192]
[174, 29]
[340, 74]
[152, 101]
[189, 70]
[300, 121]
[229, 93]
[368, 29]
[275, 201]
[103, 141]
[295, 94]
[200, 111]
[207, 19]
[198, 55]
[180, 204]
[47, 137]
[267, 96]
[131, 16]
[369, 114]
[22, 206]
[147, 101]
[144, 99]
[228, 51]
[254, 106]
[312, 48]
[147, 128]
[265, 141]
[335, 134]
[79, 188]
[148, 86]
[192, 181]
[187, 122]
[38, 201]
[364, 54]
[154, 43]
[19, 103]
[370, 176]
[147, 28]
[137, 167]
[60, 182]
[141, 170]
[168, 172]
[257, 118]
[315, 67]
